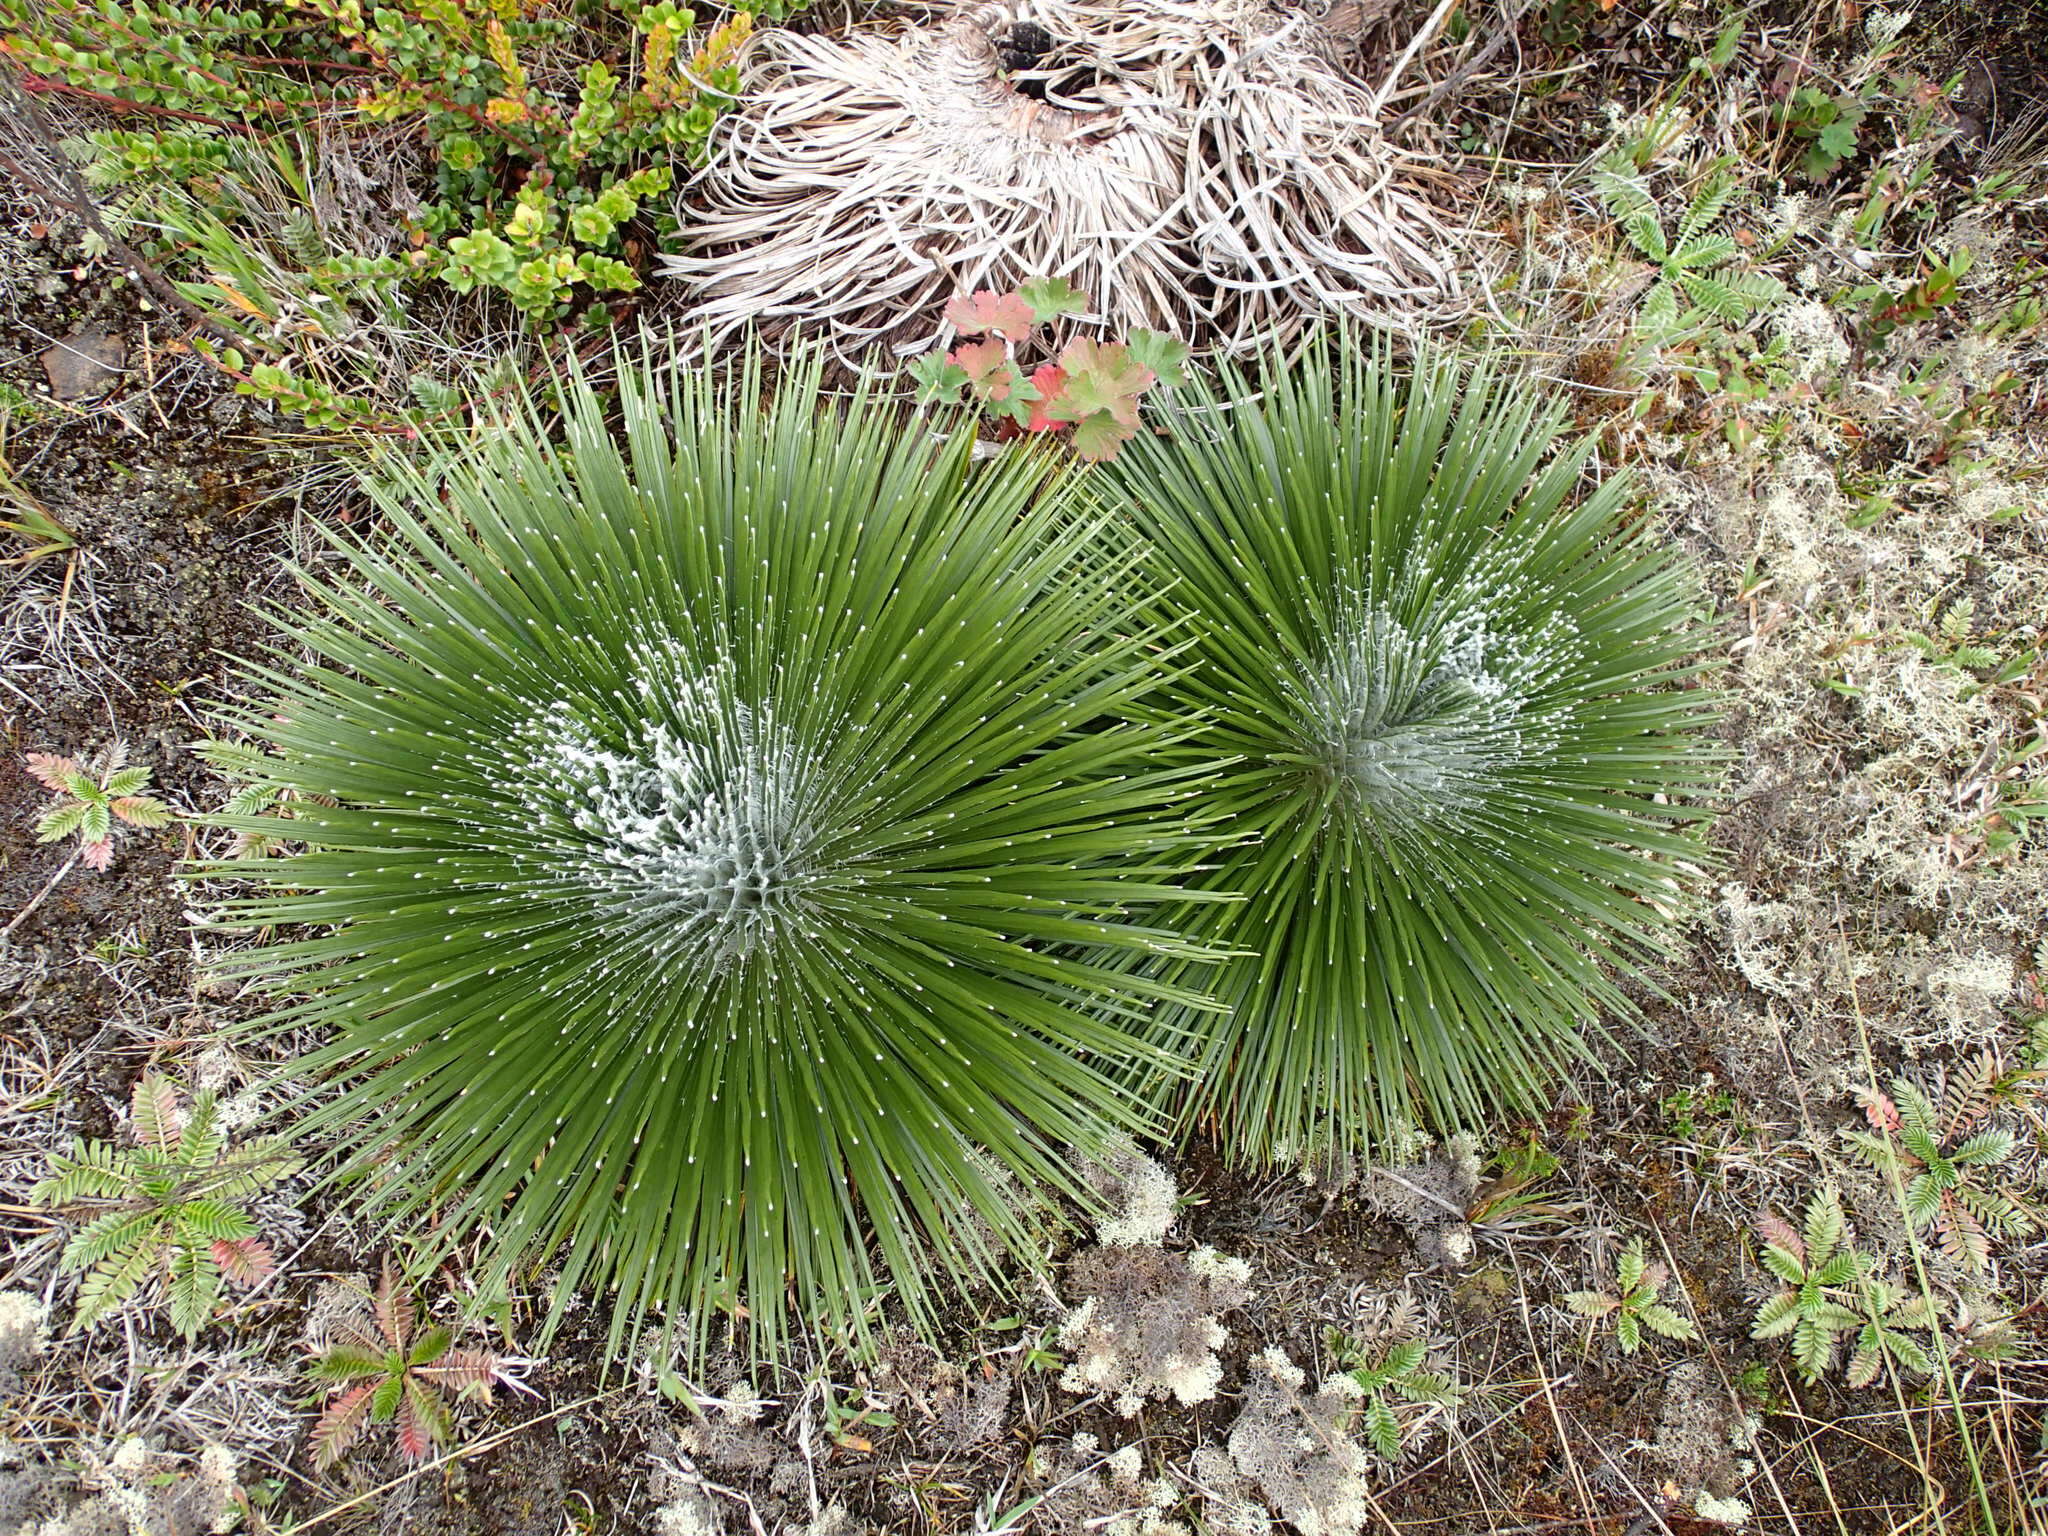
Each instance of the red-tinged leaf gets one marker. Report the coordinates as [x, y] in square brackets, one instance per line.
[422, 1422]
[153, 1113]
[1878, 1109]
[1051, 382]
[50, 771]
[97, 855]
[340, 1426]
[995, 380]
[414, 1442]
[990, 373]
[999, 314]
[1780, 1233]
[396, 1313]
[244, 1260]
[465, 1373]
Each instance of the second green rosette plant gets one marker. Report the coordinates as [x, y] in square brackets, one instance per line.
[720, 846]
[1453, 732]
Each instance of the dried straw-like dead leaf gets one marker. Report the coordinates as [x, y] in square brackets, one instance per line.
[1207, 169]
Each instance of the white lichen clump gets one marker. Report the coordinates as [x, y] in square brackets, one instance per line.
[23, 1332]
[1290, 1454]
[1969, 992]
[1109, 1494]
[1148, 1325]
[1146, 1196]
[1427, 1189]
[689, 1514]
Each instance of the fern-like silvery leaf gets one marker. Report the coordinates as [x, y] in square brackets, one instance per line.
[202, 1140]
[468, 1373]
[430, 1346]
[1999, 1211]
[1825, 1225]
[194, 1289]
[397, 1312]
[1628, 1330]
[110, 1236]
[245, 1261]
[53, 773]
[94, 1170]
[215, 1221]
[1631, 1267]
[1843, 1268]
[1779, 1233]
[423, 1422]
[340, 1425]
[1661, 1319]
[1986, 1147]
[1967, 1096]
[1622, 190]
[1879, 1109]
[340, 1364]
[153, 1117]
[1776, 1316]
[61, 821]
[1963, 1237]
[1592, 1304]
[1865, 1360]
[1922, 1199]
[124, 781]
[1381, 1430]
[1648, 236]
[1715, 297]
[1878, 1151]
[111, 1282]
[141, 811]
[96, 826]
[1813, 1347]
[1702, 255]
[1706, 209]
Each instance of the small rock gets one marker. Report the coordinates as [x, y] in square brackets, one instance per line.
[85, 365]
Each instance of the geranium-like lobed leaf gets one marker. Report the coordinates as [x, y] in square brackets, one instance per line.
[997, 314]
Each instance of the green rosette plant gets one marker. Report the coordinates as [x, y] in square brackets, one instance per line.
[726, 845]
[1457, 736]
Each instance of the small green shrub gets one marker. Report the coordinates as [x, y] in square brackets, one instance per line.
[1945, 1153]
[548, 128]
[381, 1367]
[1453, 730]
[94, 802]
[735, 840]
[1386, 1381]
[1632, 1305]
[172, 1204]
[1832, 1293]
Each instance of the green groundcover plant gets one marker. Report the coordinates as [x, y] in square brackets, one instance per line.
[741, 836]
[1452, 729]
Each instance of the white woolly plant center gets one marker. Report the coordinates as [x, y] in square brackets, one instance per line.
[700, 825]
[1417, 727]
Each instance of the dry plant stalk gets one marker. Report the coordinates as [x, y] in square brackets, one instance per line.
[1208, 168]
